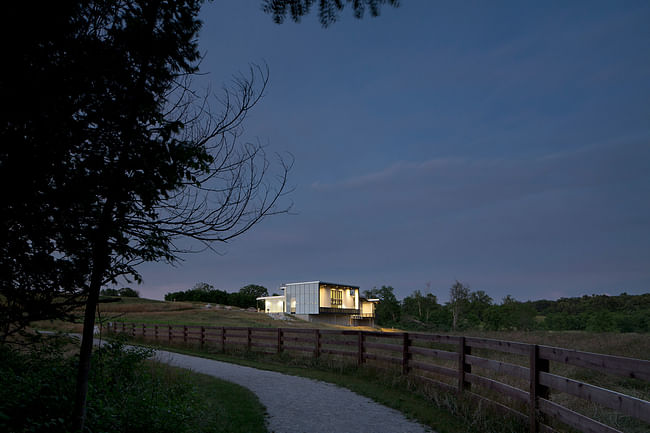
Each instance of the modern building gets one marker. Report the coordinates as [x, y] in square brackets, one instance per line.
[319, 301]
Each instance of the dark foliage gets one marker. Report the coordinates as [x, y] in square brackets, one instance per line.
[115, 156]
[202, 292]
[476, 310]
[388, 310]
[254, 290]
[123, 292]
[125, 395]
[328, 10]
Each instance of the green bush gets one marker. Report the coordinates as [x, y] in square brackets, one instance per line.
[35, 389]
[128, 395]
[126, 392]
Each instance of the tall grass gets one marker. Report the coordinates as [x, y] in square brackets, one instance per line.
[127, 393]
[428, 405]
[392, 388]
[627, 344]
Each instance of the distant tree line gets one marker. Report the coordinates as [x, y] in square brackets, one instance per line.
[203, 292]
[476, 310]
[125, 292]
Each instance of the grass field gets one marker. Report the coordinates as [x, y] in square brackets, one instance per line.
[229, 408]
[186, 313]
[385, 388]
[440, 411]
[632, 345]
[137, 310]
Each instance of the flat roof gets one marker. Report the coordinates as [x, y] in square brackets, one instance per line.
[269, 297]
[322, 282]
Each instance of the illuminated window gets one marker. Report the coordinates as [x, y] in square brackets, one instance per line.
[337, 298]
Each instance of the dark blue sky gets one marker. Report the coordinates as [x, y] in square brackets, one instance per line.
[503, 144]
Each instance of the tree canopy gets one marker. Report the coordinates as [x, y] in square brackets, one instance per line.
[202, 292]
[125, 292]
[110, 157]
[254, 290]
[458, 300]
[388, 310]
[114, 154]
[475, 310]
[328, 10]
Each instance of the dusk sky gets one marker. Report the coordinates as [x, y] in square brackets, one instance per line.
[502, 144]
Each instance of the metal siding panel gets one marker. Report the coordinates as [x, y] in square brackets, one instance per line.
[291, 293]
[297, 295]
[313, 298]
[301, 299]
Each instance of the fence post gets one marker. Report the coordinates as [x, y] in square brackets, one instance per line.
[155, 332]
[248, 338]
[144, 330]
[170, 333]
[360, 347]
[279, 340]
[223, 339]
[537, 391]
[132, 329]
[123, 328]
[406, 342]
[317, 343]
[202, 336]
[184, 333]
[463, 368]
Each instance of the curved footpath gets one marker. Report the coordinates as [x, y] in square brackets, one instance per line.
[300, 405]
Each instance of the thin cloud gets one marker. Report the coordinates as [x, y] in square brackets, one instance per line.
[600, 164]
[387, 174]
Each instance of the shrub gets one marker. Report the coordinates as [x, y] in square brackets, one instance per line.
[35, 389]
[126, 392]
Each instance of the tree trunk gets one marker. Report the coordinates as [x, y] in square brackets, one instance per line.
[101, 259]
[85, 355]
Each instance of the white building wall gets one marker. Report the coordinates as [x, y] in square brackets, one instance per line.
[349, 301]
[367, 308]
[325, 296]
[274, 305]
[304, 296]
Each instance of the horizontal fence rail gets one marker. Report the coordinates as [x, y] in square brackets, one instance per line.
[520, 384]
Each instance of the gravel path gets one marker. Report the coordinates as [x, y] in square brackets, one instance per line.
[300, 405]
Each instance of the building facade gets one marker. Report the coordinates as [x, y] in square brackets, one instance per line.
[320, 301]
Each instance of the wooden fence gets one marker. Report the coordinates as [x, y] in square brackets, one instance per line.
[509, 376]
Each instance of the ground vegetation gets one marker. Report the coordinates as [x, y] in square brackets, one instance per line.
[127, 393]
